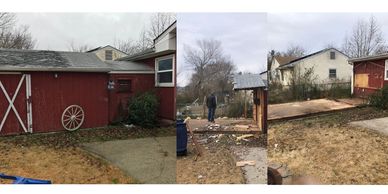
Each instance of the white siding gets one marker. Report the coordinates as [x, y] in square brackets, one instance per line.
[322, 63]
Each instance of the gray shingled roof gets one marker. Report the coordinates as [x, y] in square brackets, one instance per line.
[39, 60]
[128, 66]
[248, 81]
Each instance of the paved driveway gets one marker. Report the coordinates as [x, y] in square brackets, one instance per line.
[296, 109]
[380, 125]
[148, 160]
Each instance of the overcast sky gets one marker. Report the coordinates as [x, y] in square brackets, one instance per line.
[55, 31]
[314, 31]
[242, 35]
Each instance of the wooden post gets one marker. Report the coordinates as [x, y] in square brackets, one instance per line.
[204, 107]
[245, 104]
[264, 109]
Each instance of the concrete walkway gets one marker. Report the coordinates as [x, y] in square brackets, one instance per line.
[256, 174]
[303, 108]
[148, 160]
[380, 125]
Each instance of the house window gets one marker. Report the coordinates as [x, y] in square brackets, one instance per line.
[108, 55]
[164, 71]
[332, 55]
[281, 75]
[386, 70]
[332, 73]
[124, 85]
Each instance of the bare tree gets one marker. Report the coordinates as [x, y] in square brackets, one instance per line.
[366, 39]
[212, 68]
[78, 48]
[7, 20]
[17, 38]
[12, 36]
[159, 23]
[295, 51]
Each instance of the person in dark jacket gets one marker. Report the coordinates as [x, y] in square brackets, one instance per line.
[211, 104]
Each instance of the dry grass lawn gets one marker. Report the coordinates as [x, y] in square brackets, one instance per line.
[328, 149]
[57, 156]
[65, 166]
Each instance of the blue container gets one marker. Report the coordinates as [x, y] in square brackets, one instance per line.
[22, 180]
[181, 138]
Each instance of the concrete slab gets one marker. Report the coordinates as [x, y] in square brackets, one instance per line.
[296, 109]
[256, 174]
[380, 125]
[148, 160]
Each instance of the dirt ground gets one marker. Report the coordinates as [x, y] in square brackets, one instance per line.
[223, 125]
[218, 163]
[57, 156]
[331, 151]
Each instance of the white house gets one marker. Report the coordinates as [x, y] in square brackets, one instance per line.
[276, 62]
[328, 64]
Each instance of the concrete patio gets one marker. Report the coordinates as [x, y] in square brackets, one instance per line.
[148, 160]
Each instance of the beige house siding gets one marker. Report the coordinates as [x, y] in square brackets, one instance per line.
[322, 64]
[273, 71]
[115, 53]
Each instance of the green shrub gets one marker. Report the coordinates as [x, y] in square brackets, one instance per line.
[143, 110]
[379, 99]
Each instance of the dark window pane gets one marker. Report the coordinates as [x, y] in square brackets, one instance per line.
[332, 73]
[165, 64]
[165, 77]
[124, 85]
[332, 55]
[108, 55]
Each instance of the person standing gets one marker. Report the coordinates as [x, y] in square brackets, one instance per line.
[211, 104]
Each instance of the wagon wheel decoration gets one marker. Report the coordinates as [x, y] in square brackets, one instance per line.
[73, 117]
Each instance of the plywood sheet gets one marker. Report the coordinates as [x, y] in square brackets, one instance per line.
[361, 80]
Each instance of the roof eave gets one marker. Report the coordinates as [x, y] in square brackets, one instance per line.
[376, 57]
[50, 69]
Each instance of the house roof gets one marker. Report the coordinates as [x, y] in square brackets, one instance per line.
[128, 66]
[150, 52]
[43, 60]
[293, 62]
[368, 58]
[98, 48]
[248, 81]
[168, 29]
[284, 60]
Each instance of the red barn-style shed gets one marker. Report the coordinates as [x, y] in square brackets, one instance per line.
[45, 91]
[369, 74]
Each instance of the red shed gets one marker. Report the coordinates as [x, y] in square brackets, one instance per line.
[369, 74]
[44, 91]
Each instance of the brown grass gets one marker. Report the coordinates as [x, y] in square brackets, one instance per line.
[327, 148]
[61, 166]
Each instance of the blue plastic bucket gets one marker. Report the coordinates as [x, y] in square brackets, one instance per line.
[181, 138]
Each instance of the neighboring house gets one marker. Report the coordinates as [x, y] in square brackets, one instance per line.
[45, 91]
[108, 53]
[162, 59]
[369, 74]
[329, 65]
[276, 62]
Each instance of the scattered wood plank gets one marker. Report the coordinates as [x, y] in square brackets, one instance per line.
[243, 163]
[197, 147]
[244, 136]
[242, 126]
